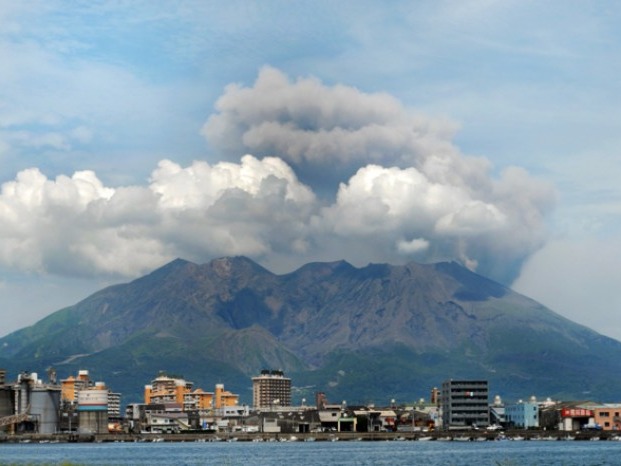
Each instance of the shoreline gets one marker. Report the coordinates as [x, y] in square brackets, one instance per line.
[473, 436]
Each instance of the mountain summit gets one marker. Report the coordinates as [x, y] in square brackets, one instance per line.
[361, 334]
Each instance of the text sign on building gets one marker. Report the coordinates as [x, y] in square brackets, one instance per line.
[93, 400]
[576, 412]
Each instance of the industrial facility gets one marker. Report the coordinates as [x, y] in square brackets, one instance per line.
[75, 405]
[28, 404]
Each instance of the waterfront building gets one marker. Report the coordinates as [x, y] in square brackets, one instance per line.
[198, 400]
[135, 416]
[114, 405]
[93, 410]
[43, 401]
[465, 403]
[608, 416]
[223, 398]
[72, 385]
[177, 391]
[422, 416]
[164, 389]
[270, 389]
[339, 418]
[29, 405]
[522, 415]
[166, 422]
[89, 412]
[575, 417]
[567, 415]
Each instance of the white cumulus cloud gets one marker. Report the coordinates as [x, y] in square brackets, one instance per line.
[75, 225]
[412, 195]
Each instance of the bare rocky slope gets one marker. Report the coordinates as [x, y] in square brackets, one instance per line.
[360, 334]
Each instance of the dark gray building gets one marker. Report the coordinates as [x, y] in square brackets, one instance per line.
[465, 403]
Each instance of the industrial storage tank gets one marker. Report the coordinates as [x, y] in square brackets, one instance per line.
[6, 404]
[45, 408]
[6, 401]
[93, 411]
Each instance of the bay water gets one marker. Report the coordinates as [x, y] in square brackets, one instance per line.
[507, 453]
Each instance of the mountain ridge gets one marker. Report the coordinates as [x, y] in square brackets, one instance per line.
[393, 330]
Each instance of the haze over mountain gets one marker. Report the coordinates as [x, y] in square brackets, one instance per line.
[360, 334]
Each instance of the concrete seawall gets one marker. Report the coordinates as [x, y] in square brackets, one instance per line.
[529, 435]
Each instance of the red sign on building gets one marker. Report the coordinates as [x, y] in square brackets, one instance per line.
[576, 412]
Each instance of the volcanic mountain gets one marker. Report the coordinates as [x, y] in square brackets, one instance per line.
[360, 334]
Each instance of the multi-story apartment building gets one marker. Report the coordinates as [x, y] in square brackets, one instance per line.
[198, 400]
[271, 388]
[465, 403]
[114, 405]
[223, 398]
[168, 390]
[164, 389]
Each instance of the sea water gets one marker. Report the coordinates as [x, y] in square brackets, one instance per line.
[316, 453]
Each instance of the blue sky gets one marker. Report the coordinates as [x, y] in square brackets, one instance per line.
[134, 132]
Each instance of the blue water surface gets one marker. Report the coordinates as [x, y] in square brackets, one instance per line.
[316, 453]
